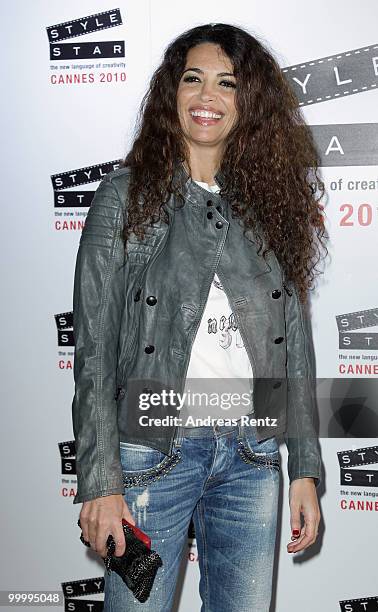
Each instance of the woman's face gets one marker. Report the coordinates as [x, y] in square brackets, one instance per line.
[207, 84]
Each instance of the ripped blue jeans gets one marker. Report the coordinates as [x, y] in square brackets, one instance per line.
[228, 482]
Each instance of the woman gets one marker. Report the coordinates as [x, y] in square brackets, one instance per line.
[220, 167]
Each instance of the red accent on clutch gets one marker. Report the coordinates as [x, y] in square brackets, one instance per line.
[138, 533]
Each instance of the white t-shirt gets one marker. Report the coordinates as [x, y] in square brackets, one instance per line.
[218, 352]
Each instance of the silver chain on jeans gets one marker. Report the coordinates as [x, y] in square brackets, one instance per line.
[151, 474]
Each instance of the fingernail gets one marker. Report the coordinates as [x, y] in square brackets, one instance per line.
[295, 532]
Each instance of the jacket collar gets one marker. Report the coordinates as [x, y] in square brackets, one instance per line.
[188, 187]
[198, 195]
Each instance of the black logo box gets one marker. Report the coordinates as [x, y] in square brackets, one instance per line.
[88, 50]
[355, 458]
[64, 325]
[81, 588]
[62, 182]
[362, 604]
[80, 27]
[83, 176]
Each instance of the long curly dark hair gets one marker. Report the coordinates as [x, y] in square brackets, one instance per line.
[270, 163]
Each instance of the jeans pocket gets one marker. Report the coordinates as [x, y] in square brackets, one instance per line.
[264, 453]
[143, 464]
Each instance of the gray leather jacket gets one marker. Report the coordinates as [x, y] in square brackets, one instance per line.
[136, 317]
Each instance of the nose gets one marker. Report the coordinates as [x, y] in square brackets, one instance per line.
[207, 91]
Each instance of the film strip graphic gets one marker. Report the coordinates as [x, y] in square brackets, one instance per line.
[334, 76]
[346, 144]
[356, 459]
[80, 27]
[80, 588]
[64, 325]
[67, 452]
[358, 320]
[362, 604]
[62, 183]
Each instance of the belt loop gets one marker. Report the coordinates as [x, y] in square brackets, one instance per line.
[179, 436]
[241, 432]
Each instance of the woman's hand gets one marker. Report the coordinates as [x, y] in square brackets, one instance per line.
[303, 498]
[103, 516]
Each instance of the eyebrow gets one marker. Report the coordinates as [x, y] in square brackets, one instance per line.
[201, 72]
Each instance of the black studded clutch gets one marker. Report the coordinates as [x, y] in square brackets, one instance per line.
[137, 566]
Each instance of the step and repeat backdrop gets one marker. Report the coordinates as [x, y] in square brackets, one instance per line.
[73, 77]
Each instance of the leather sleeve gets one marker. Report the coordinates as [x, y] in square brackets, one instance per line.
[98, 301]
[301, 439]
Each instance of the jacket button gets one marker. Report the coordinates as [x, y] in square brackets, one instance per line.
[209, 202]
[219, 208]
[151, 300]
[149, 348]
[277, 385]
[209, 215]
[276, 294]
[278, 340]
[137, 295]
[219, 224]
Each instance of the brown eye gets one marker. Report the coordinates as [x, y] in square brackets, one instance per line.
[188, 78]
[229, 84]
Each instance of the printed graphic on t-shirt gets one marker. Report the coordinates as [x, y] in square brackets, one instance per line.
[218, 349]
[226, 327]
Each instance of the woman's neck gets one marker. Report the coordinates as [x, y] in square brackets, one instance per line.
[202, 168]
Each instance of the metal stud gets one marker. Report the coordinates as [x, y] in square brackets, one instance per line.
[249, 457]
[154, 473]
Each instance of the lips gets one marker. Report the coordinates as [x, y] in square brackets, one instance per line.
[203, 120]
[209, 109]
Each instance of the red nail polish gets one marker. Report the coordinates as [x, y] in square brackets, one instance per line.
[295, 532]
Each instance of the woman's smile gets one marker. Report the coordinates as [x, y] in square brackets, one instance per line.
[205, 118]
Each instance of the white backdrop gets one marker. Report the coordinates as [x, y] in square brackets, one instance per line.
[55, 128]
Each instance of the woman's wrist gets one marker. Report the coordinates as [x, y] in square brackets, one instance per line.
[310, 478]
